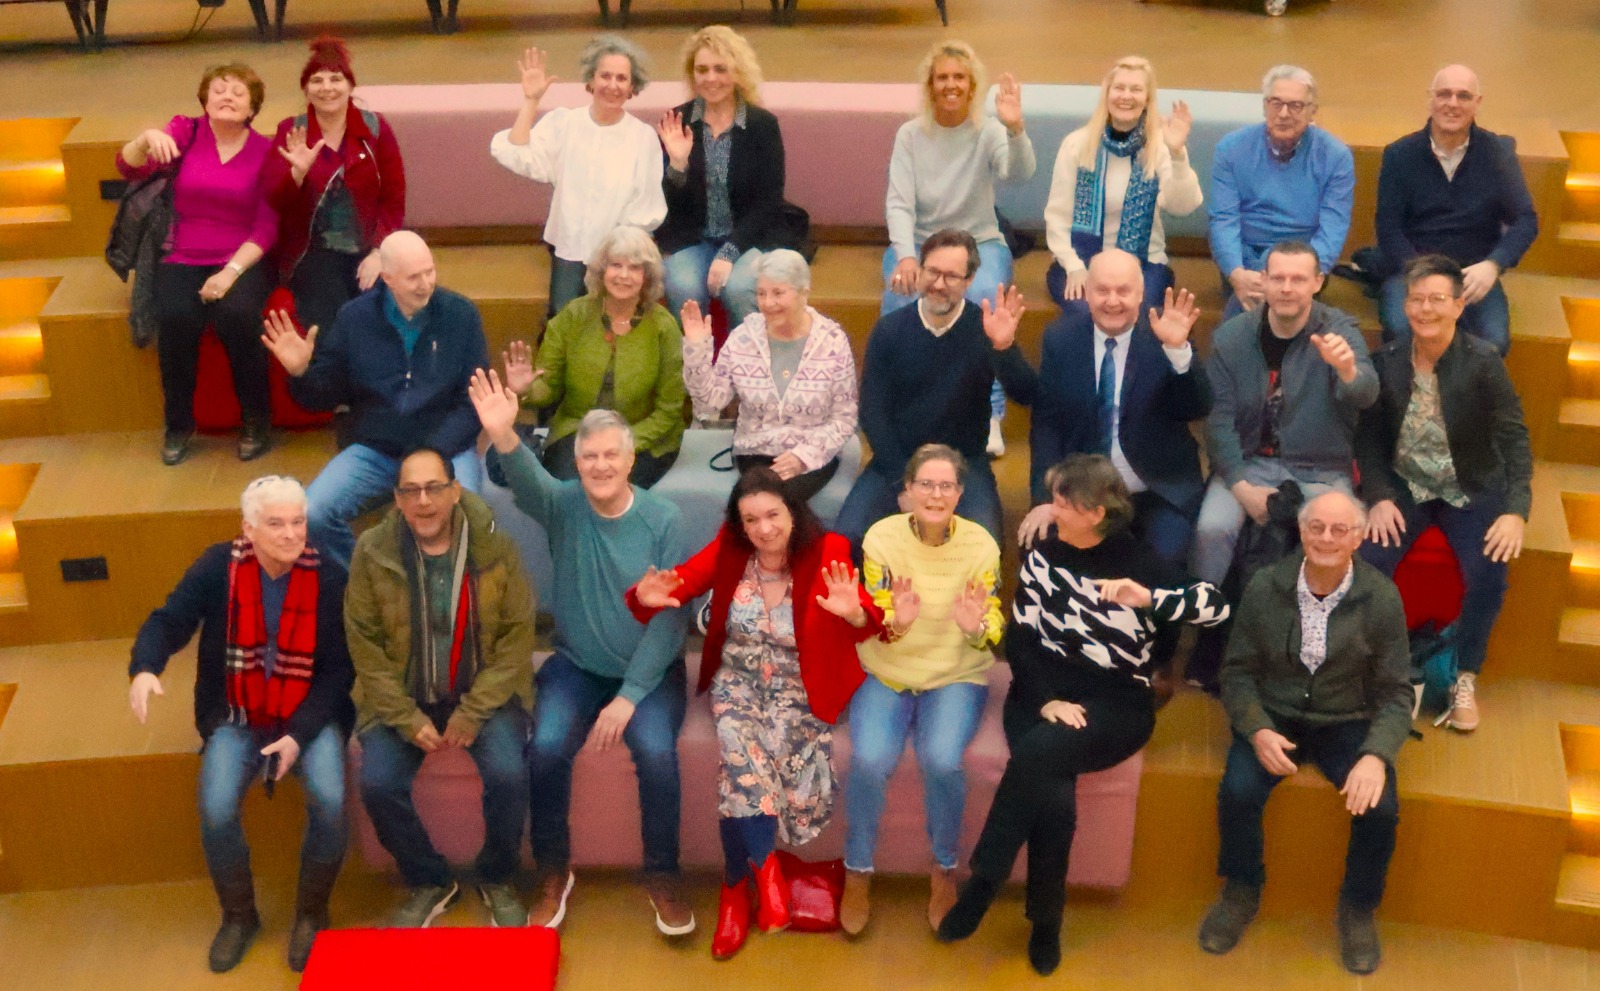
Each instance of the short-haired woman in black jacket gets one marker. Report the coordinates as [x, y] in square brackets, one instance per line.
[724, 177]
[1446, 445]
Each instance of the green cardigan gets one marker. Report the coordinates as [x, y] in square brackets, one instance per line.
[649, 387]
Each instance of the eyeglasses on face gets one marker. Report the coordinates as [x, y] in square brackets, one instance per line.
[1276, 106]
[1338, 531]
[929, 487]
[935, 276]
[411, 493]
[1434, 299]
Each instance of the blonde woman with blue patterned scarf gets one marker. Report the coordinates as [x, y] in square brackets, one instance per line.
[1113, 179]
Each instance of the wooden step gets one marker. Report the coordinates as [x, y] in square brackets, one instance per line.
[13, 592]
[1583, 370]
[21, 348]
[1577, 435]
[24, 405]
[33, 183]
[1578, 886]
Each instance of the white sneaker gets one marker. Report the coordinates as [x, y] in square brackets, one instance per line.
[997, 443]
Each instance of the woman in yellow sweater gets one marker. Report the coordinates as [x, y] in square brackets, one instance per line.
[934, 575]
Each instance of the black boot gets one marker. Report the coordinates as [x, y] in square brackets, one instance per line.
[977, 894]
[240, 923]
[1046, 902]
[255, 438]
[310, 909]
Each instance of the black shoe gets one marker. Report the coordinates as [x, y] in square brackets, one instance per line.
[977, 894]
[175, 446]
[1044, 947]
[254, 440]
[1227, 920]
[1358, 940]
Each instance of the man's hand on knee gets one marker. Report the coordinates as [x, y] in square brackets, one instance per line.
[1363, 786]
[1272, 750]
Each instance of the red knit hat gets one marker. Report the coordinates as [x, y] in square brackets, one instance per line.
[327, 54]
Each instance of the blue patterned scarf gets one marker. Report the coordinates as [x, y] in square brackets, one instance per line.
[1138, 203]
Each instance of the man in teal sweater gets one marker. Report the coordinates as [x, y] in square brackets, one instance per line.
[609, 679]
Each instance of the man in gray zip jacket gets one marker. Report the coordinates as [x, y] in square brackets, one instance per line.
[1289, 382]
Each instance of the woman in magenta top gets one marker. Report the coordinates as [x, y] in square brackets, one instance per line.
[339, 187]
[211, 274]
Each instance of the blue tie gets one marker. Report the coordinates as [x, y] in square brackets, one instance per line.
[1106, 393]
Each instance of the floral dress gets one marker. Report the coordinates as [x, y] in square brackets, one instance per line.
[777, 758]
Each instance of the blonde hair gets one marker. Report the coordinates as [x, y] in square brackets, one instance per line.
[1150, 123]
[631, 244]
[729, 44]
[963, 53]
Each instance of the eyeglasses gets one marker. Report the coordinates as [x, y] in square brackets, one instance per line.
[1338, 531]
[411, 493]
[929, 487]
[1458, 95]
[935, 277]
[1276, 106]
[1436, 300]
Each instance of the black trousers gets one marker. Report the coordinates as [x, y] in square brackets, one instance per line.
[1037, 801]
[236, 318]
[322, 282]
[803, 486]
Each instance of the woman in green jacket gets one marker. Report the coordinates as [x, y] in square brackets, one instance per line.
[615, 348]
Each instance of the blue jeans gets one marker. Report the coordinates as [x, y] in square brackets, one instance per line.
[569, 700]
[1488, 318]
[566, 284]
[359, 479]
[686, 270]
[1246, 786]
[1158, 279]
[1483, 580]
[944, 720]
[231, 762]
[1216, 532]
[389, 764]
[875, 495]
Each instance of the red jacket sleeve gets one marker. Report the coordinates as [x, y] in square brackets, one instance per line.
[392, 188]
[697, 573]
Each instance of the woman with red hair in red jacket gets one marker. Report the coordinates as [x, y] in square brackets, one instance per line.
[787, 610]
[339, 187]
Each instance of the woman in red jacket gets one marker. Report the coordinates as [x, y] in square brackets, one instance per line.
[339, 187]
[787, 610]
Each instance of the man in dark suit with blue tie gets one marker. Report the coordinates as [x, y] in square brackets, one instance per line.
[1123, 384]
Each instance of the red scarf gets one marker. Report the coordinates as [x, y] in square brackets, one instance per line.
[253, 698]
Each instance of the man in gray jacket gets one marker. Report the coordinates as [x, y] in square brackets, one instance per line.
[1288, 381]
[1318, 670]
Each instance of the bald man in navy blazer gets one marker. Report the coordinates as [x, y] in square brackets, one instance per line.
[1139, 416]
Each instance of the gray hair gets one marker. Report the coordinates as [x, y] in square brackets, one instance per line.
[269, 490]
[786, 266]
[613, 44]
[1293, 73]
[628, 243]
[1304, 516]
[598, 421]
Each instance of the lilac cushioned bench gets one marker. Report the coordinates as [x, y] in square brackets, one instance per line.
[605, 812]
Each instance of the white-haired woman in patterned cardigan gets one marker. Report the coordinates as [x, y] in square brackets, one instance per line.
[1085, 615]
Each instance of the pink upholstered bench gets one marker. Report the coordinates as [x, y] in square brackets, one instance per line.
[605, 813]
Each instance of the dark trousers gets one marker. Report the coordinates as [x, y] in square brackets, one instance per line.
[566, 284]
[236, 318]
[322, 282]
[1483, 581]
[561, 460]
[569, 701]
[389, 765]
[1246, 786]
[803, 486]
[1037, 800]
[1167, 530]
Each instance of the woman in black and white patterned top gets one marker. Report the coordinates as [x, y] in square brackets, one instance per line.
[1085, 616]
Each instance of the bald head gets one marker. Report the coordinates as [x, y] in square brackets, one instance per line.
[1453, 100]
[1114, 291]
[407, 270]
[1457, 77]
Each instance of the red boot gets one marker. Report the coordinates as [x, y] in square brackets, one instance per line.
[772, 896]
[733, 920]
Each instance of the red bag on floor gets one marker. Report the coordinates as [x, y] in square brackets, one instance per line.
[216, 407]
[814, 892]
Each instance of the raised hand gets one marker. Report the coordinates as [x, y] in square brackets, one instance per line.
[144, 685]
[158, 145]
[497, 409]
[297, 154]
[905, 602]
[1000, 320]
[969, 608]
[696, 325]
[1123, 592]
[1008, 103]
[844, 593]
[1338, 353]
[1178, 314]
[520, 373]
[292, 351]
[676, 138]
[534, 79]
[1175, 129]
[654, 590]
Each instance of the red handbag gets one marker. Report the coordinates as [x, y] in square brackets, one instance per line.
[814, 892]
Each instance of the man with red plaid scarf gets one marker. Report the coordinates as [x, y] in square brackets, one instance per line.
[272, 689]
